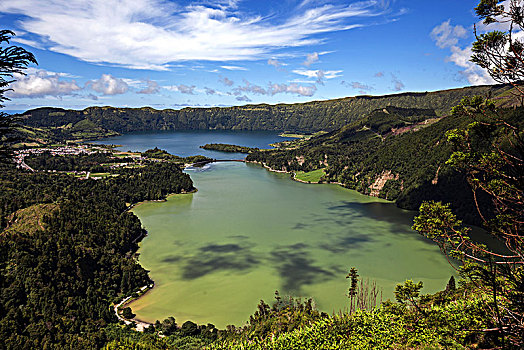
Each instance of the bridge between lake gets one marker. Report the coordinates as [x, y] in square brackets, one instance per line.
[204, 162]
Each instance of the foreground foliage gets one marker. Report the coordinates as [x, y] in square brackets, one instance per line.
[446, 320]
[490, 151]
[59, 279]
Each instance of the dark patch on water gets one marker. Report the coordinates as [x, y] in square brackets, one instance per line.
[300, 226]
[172, 259]
[377, 211]
[341, 218]
[297, 246]
[217, 258]
[339, 270]
[239, 237]
[221, 248]
[297, 268]
[400, 222]
[343, 244]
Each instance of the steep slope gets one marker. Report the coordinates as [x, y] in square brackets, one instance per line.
[372, 156]
[307, 117]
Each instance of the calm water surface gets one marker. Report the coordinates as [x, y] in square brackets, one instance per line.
[248, 232]
[187, 143]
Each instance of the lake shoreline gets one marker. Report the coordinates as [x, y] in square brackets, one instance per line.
[296, 225]
[140, 324]
[293, 176]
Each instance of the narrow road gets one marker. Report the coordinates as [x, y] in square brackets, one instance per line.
[23, 165]
[140, 325]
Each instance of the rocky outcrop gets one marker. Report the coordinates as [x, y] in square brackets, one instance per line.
[380, 181]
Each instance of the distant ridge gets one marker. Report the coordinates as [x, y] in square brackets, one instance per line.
[306, 117]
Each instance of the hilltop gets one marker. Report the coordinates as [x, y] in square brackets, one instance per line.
[95, 122]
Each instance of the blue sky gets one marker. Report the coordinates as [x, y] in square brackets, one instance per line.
[174, 53]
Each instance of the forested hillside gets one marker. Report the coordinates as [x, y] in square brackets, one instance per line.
[307, 117]
[394, 153]
[69, 252]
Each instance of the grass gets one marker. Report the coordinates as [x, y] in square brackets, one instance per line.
[100, 175]
[312, 176]
[30, 220]
[296, 136]
[126, 154]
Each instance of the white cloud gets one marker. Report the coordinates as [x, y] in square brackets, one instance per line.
[233, 68]
[358, 85]
[398, 85]
[446, 35]
[251, 88]
[472, 72]
[293, 88]
[108, 85]
[243, 98]
[151, 88]
[210, 91]
[34, 70]
[41, 83]
[182, 88]
[277, 64]
[273, 89]
[135, 83]
[310, 59]
[319, 74]
[314, 57]
[149, 34]
[226, 81]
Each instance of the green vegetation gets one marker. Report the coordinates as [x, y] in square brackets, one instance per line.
[13, 60]
[293, 135]
[82, 162]
[160, 154]
[490, 151]
[297, 118]
[394, 153]
[75, 254]
[223, 147]
[29, 220]
[187, 337]
[297, 142]
[68, 246]
[315, 176]
[445, 320]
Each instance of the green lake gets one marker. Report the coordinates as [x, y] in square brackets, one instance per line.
[247, 232]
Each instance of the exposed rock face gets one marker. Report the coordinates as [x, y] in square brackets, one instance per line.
[380, 181]
[435, 180]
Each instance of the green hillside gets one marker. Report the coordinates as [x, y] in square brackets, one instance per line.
[393, 153]
[306, 117]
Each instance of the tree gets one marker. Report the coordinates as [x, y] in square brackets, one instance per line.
[352, 291]
[490, 151]
[189, 329]
[168, 326]
[127, 313]
[409, 292]
[501, 53]
[13, 60]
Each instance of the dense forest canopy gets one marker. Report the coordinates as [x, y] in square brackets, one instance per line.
[59, 278]
[307, 117]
